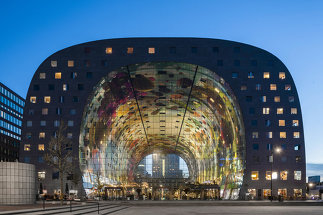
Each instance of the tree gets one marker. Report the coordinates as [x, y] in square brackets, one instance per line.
[59, 155]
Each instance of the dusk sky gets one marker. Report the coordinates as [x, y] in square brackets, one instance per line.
[292, 30]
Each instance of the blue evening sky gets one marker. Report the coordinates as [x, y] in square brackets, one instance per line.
[292, 30]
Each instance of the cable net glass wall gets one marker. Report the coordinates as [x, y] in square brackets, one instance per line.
[168, 108]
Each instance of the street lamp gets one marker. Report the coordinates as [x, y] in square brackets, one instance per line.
[271, 159]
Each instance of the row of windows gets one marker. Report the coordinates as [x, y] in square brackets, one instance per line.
[42, 135]
[9, 134]
[10, 118]
[10, 110]
[44, 111]
[282, 176]
[267, 193]
[282, 134]
[58, 75]
[266, 75]
[272, 87]
[10, 127]
[266, 111]
[47, 99]
[263, 99]
[283, 146]
[70, 123]
[10, 104]
[281, 123]
[12, 96]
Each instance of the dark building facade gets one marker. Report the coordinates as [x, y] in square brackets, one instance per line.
[225, 107]
[11, 113]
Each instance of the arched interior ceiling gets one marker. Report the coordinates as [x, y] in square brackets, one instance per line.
[163, 107]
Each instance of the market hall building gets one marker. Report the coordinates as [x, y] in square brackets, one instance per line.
[226, 108]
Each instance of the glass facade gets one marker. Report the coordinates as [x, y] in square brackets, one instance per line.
[172, 108]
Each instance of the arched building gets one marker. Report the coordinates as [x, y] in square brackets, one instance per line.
[224, 107]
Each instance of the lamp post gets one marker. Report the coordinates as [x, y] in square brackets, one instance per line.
[278, 150]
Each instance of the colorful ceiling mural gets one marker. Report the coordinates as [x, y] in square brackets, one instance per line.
[164, 107]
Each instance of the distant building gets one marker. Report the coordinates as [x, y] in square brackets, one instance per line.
[314, 179]
[11, 113]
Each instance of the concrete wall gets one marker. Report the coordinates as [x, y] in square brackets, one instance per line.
[17, 183]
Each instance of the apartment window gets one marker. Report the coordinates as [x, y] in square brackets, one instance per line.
[33, 99]
[108, 50]
[236, 62]
[65, 87]
[44, 111]
[194, 49]
[298, 159]
[29, 123]
[296, 135]
[265, 110]
[30, 112]
[293, 110]
[36, 87]
[297, 147]
[291, 99]
[254, 122]
[53, 63]
[41, 135]
[75, 99]
[254, 135]
[73, 75]
[87, 63]
[281, 122]
[297, 175]
[58, 75]
[51, 87]
[28, 135]
[89, 75]
[255, 146]
[273, 87]
[151, 50]
[27, 147]
[56, 123]
[42, 75]
[282, 75]
[269, 146]
[269, 134]
[277, 99]
[288, 87]
[41, 175]
[263, 98]
[219, 62]
[47, 99]
[58, 111]
[254, 175]
[43, 123]
[249, 98]
[283, 175]
[250, 75]
[215, 49]
[104, 63]
[41, 147]
[70, 123]
[258, 87]
[282, 134]
[80, 87]
[243, 87]
[61, 99]
[280, 110]
[72, 112]
[295, 123]
[234, 75]
[130, 50]
[266, 75]
[70, 135]
[268, 175]
[70, 63]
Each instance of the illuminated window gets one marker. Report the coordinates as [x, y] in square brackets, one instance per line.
[296, 135]
[73, 75]
[44, 111]
[282, 192]
[27, 147]
[280, 110]
[108, 50]
[42, 75]
[297, 147]
[32, 99]
[70, 123]
[281, 122]
[151, 50]
[269, 134]
[254, 175]
[266, 75]
[291, 99]
[267, 193]
[254, 135]
[58, 75]
[283, 175]
[295, 123]
[65, 87]
[130, 50]
[258, 86]
[282, 75]
[265, 110]
[70, 135]
[47, 99]
[41, 135]
[250, 75]
[53, 63]
[267, 122]
[252, 193]
[282, 134]
[243, 87]
[41, 147]
[298, 159]
[268, 175]
[297, 193]
[263, 98]
[41, 175]
[293, 110]
[298, 175]
[277, 98]
[288, 87]
[70, 63]
[43, 123]
[273, 87]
